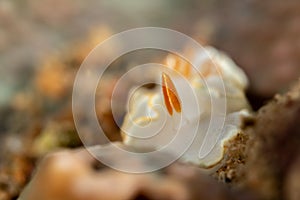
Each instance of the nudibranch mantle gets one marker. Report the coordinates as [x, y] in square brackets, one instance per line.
[155, 116]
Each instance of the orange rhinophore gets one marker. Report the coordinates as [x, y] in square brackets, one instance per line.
[187, 69]
[170, 94]
[179, 65]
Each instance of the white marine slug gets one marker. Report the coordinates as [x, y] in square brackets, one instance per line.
[154, 115]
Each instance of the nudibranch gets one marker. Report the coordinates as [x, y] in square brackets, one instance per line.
[154, 115]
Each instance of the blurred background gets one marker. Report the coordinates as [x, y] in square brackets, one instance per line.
[262, 37]
[42, 44]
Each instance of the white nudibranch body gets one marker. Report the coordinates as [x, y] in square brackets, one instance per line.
[186, 104]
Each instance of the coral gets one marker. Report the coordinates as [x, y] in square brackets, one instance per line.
[274, 146]
[75, 175]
